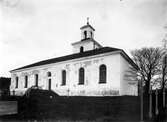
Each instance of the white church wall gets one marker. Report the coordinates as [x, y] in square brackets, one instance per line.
[20, 90]
[127, 87]
[91, 86]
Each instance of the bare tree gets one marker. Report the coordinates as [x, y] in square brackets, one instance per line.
[148, 61]
[163, 67]
[164, 62]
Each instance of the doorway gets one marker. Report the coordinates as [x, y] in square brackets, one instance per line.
[49, 84]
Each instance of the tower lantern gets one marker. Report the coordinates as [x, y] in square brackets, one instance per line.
[87, 41]
[87, 31]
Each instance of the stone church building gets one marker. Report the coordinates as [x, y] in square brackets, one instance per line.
[91, 70]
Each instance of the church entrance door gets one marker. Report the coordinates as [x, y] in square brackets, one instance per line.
[49, 84]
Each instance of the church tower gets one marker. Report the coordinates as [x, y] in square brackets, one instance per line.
[87, 41]
[87, 31]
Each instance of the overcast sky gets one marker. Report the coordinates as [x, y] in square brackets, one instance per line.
[34, 30]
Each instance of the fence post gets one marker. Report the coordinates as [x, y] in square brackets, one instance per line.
[150, 105]
[164, 98]
[141, 101]
[156, 102]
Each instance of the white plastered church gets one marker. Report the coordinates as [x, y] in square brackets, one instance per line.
[91, 70]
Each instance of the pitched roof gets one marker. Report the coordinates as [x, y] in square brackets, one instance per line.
[77, 55]
[85, 26]
[86, 40]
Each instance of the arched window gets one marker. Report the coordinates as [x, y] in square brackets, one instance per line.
[91, 34]
[81, 76]
[102, 73]
[81, 49]
[36, 80]
[17, 81]
[63, 77]
[85, 34]
[49, 74]
[26, 81]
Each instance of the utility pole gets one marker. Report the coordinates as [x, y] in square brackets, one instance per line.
[164, 41]
[150, 103]
[164, 70]
[164, 67]
[163, 78]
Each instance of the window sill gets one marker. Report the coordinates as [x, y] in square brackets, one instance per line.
[80, 84]
[102, 82]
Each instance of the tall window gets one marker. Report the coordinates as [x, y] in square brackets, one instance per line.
[63, 77]
[26, 81]
[17, 80]
[36, 80]
[49, 84]
[81, 76]
[49, 80]
[91, 34]
[81, 49]
[102, 73]
[85, 34]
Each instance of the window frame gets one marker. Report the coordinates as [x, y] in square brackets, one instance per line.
[81, 76]
[85, 34]
[102, 74]
[26, 81]
[64, 77]
[16, 82]
[49, 80]
[49, 84]
[36, 80]
[91, 34]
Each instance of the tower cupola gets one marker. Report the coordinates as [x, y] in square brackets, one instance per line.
[87, 31]
[87, 41]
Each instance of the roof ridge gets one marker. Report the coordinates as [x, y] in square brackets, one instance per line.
[70, 57]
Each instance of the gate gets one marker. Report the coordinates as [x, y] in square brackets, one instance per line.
[158, 105]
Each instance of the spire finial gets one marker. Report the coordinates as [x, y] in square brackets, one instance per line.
[87, 20]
